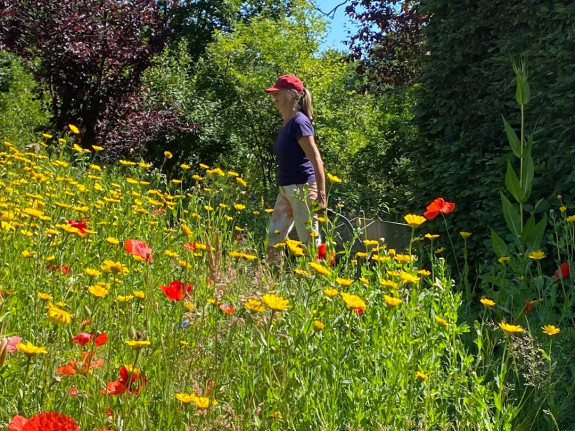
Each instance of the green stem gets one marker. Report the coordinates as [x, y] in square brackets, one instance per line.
[521, 162]
[452, 247]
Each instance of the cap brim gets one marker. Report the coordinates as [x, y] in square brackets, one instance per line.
[272, 89]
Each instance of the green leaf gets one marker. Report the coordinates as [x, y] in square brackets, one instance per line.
[528, 145]
[527, 173]
[545, 355]
[532, 234]
[513, 185]
[522, 92]
[527, 230]
[512, 216]
[499, 246]
[512, 138]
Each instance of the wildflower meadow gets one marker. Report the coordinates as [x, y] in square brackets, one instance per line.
[132, 301]
[129, 302]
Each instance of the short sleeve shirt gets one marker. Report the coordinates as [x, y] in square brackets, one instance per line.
[293, 166]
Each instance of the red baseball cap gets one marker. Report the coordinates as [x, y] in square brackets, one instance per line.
[287, 82]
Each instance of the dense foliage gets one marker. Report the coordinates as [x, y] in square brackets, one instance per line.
[23, 111]
[467, 83]
[197, 21]
[90, 57]
[389, 41]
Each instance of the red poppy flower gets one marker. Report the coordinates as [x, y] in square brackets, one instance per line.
[50, 421]
[12, 343]
[17, 423]
[79, 224]
[138, 248]
[64, 269]
[73, 392]
[228, 308]
[438, 206]
[128, 382]
[114, 388]
[176, 290]
[563, 271]
[101, 339]
[68, 369]
[87, 364]
[358, 311]
[82, 338]
[332, 259]
[321, 252]
[190, 246]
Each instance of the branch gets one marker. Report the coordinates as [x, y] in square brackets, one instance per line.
[332, 12]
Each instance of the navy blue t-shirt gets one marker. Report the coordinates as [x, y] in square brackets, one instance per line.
[293, 167]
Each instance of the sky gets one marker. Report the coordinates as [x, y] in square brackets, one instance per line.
[339, 26]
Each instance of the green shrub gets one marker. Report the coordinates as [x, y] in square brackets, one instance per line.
[22, 103]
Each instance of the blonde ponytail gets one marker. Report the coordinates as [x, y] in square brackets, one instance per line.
[301, 101]
[305, 104]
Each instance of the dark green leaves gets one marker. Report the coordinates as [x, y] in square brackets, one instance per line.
[513, 184]
[522, 91]
[514, 142]
[532, 233]
[512, 216]
[499, 246]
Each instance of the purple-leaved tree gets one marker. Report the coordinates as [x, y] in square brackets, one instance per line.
[91, 55]
[389, 41]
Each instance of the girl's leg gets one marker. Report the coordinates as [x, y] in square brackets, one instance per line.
[281, 223]
[301, 198]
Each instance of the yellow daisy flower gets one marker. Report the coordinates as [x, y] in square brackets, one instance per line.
[276, 303]
[487, 302]
[30, 349]
[320, 269]
[510, 329]
[415, 220]
[551, 330]
[137, 344]
[391, 301]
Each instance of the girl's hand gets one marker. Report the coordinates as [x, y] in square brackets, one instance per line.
[321, 202]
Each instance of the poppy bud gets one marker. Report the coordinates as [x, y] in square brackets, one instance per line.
[3, 350]
[563, 271]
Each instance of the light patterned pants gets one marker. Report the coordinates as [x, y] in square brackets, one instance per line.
[293, 207]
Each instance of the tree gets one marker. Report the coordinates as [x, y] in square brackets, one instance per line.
[196, 21]
[238, 66]
[389, 41]
[89, 54]
[239, 125]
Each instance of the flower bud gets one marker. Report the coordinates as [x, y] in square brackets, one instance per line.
[3, 350]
